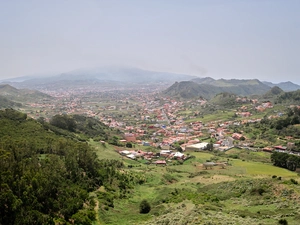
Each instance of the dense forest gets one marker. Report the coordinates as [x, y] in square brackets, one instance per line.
[46, 178]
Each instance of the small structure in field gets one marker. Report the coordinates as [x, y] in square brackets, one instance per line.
[161, 162]
[209, 165]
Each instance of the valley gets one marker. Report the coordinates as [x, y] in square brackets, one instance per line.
[154, 148]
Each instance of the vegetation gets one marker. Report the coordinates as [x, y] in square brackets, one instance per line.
[69, 172]
[6, 103]
[46, 178]
[145, 206]
[208, 89]
[288, 97]
[285, 160]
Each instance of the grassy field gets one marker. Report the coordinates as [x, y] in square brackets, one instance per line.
[104, 151]
[261, 169]
[221, 116]
[242, 193]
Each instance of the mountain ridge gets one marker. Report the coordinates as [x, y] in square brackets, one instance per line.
[111, 75]
[285, 86]
[191, 89]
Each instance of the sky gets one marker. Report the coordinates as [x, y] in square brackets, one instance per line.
[241, 39]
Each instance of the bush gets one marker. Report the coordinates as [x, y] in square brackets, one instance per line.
[259, 191]
[283, 222]
[145, 207]
[294, 181]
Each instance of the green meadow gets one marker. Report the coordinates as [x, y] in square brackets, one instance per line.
[249, 190]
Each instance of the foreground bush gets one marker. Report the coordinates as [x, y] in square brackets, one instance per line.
[145, 207]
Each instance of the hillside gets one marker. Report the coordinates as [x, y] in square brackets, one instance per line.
[5, 103]
[21, 95]
[292, 97]
[273, 93]
[224, 98]
[205, 80]
[46, 178]
[189, 90]
[285, 86]
[208, 88]
[84, 127]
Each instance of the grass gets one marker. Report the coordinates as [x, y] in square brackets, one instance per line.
[220, 116]
[163, 181]
[105, 151]
[257, 168]
[249, 155]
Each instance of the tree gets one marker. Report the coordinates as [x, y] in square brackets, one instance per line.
[129, 145]
[283, 222]
[145, 207]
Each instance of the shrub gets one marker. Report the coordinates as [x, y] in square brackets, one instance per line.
[294, 181]
[145, 207]
[259, 191]
[283, 222]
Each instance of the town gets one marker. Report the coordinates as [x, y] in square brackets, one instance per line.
[146, 118]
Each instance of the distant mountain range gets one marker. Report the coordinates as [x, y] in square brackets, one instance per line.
[208, 87]
[191, 86]
[100, 76]
[285, 86]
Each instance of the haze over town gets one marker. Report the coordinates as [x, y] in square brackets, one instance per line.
[219, 39]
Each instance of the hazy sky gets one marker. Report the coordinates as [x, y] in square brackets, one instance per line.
[218, 38]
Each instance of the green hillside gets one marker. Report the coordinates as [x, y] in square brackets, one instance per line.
[225, 99]
[21, 95]
[208, 88]
[84, 127]
[292, 97]
[189, 90]
[5, 103]
[273, 93]
[46, 178]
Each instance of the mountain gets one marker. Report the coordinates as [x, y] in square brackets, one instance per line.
[208, 87]
[285, 86]
[274, 92]
[189, 90]
[103, 76]
[16, 79]
[224, 98]
[292, 97]
[21, 95]
[205, 80]
[239, 87]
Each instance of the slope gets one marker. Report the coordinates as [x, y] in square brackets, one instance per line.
[46, 178]
[209, 88]
[285, 86]
[22, 95]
